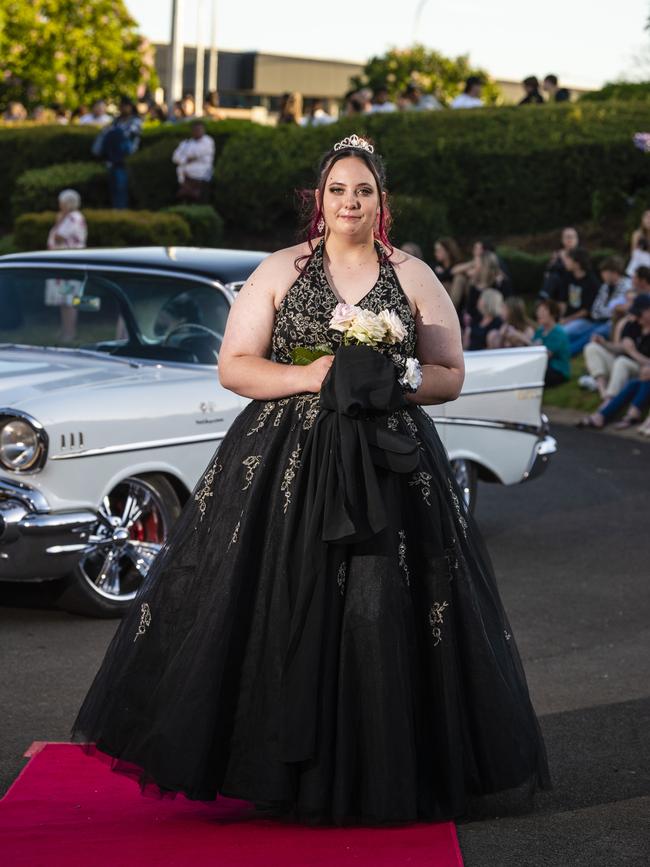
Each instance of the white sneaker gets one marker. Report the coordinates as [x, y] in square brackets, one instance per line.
[588, 382]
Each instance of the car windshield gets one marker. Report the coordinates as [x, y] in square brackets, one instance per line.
[137, 315]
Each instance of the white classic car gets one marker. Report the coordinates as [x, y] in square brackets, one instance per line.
[111, 408]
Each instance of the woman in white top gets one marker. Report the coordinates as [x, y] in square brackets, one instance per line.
[69, 232]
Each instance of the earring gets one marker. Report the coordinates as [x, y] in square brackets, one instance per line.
[320, 225]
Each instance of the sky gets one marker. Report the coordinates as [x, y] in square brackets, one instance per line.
[583, 42]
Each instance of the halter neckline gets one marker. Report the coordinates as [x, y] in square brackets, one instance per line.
[320, 263]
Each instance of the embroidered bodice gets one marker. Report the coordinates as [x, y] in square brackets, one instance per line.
[306, 309]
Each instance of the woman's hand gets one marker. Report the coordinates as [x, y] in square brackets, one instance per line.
[316, 372]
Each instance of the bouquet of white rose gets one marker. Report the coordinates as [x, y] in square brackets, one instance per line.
[359, 327]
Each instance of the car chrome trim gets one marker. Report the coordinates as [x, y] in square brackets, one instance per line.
[33, 499]
[500, 388]
[7, 412]
[141, 446]
[533, 430]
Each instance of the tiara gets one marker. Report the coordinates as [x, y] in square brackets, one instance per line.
[354, 141]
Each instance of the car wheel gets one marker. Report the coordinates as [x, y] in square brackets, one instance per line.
[466, 474]
[133, 522]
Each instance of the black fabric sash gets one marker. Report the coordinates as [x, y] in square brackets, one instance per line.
[343, 501]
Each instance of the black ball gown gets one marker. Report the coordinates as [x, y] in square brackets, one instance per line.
[322, 630]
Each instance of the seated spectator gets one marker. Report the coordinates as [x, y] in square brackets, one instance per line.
[613, 363]
[555, 92]
[517, 328]
[531, 88]
[97, 116]
[611, 296]
[353, 105]
[317, 116]
[488, 319]
[446, 254]
[412, 249]
[381, 101]
[194, 158]
[471, 96]
[188, 106]
[487, 274]
[640, 245]
[557, 275]
[551, 335]
[580, 295]
[635, 396]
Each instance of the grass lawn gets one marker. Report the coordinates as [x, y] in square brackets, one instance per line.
[570, 395]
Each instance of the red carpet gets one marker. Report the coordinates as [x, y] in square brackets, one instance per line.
[68, 809]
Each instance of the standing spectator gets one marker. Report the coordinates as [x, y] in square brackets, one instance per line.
[317, 116]
[412, 99]
[69, 232]
[119, 141]
[290, 109]
[517, 328]
[580, 296]
[15, 112]
[555, 92]
[381, 100]
[476, 333]
[612, 363]
[194, 158]
[447, 254]
[531, 87]
[551, 335]
[97, 116]
[557, 274]
[471, 96]
[188, 106]
[211, 106]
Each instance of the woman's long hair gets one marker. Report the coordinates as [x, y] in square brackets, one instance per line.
[313, 211]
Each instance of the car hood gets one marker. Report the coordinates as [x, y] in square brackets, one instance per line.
[27, 376]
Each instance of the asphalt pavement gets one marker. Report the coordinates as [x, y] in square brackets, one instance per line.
[572, 555]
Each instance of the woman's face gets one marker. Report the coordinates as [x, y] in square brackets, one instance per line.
[477, 249]
[543, 315]
[350, 199]
[569, 239]
[440, 253]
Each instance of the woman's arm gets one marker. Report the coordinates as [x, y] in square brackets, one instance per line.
[439, 346]
[244, 363]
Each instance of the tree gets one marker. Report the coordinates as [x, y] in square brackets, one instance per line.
[70, 52]
[433, 72]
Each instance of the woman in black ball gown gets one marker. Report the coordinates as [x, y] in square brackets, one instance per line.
[322, 632]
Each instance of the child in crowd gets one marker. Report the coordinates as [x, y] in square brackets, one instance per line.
[553, 336]
[517, 328]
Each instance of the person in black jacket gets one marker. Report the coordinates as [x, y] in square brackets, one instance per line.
[533, 96]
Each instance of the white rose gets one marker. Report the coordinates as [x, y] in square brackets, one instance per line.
[343, 316]
[412, 378]
[395, 330]
[367, 327]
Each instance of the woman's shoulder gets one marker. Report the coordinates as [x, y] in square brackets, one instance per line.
[414, 274]
[277, 272]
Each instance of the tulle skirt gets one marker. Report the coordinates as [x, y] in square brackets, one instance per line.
[415, 702]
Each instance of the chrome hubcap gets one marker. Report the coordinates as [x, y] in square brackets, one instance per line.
[463, 478]
[130, 530]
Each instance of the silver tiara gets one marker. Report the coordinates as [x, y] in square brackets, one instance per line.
[354, 141]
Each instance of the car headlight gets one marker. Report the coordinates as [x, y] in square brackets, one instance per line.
[23, 444]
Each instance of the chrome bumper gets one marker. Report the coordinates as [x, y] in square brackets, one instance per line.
[37, 545]
[545, 446]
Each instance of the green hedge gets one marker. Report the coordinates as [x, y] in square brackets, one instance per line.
[492, 171]
[109, 229]
[38, 189]
[506, 170]
[206, 225]
[418, 219]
